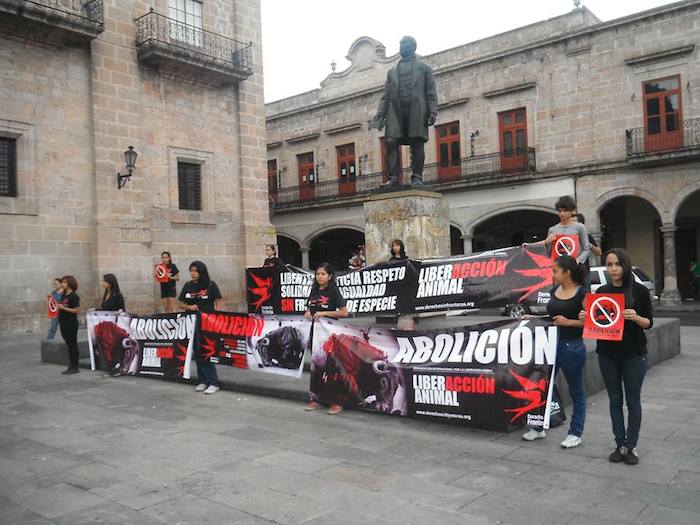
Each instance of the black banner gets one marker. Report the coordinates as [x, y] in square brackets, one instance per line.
[494, 375]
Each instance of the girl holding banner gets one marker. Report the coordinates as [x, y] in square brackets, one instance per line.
[623, 364]
[168, 289]
[563, 308]
[68, 310]
[324, 300]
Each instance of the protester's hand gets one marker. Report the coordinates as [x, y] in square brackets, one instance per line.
[560, 320]
[308, 316]
[432, 117]
[527, 317]
[630, 314]
[550, 238]
[318, 315]
[582, 315]
[193, 308]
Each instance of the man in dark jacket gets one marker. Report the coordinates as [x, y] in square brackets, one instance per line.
[408, 107]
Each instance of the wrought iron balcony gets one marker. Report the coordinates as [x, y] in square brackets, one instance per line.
[192, 52]
[72, 20]
[478, 169]
[647, 148]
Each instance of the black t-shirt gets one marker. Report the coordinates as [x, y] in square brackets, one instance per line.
[113, 303]
[170, 284]
[398, 258]
[634, 341]
[275, 262]
[71, 301]
[195, 293]
[326, 300]
[570, 309]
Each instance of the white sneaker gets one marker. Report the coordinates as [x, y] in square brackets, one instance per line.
[571, 441]
[201, 387]
[212, 389]
[532, 435]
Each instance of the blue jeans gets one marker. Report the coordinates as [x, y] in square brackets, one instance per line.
[571, 358]
[52, 328]
[206, 373]
[628, 372]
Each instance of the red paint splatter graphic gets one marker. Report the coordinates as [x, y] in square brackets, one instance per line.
[533, 392]
[543, 272]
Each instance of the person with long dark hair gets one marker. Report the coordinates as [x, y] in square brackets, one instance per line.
[623, 364]
[68, 310]
[201, 294]
[271, 259]
[56, 294]
[168, 290]
[112, 298]
[397, 251]
[324, 301]
[566, 302]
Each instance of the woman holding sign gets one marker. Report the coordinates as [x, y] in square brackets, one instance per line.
[563, 308]
[168, 286]
[623, 364]
[68, 310]
[324, 301]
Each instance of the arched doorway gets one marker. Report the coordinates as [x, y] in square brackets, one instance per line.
[289, 250]
[634, 224]
[456, 242]
[512, 228]
[688, 244]
[335, 246]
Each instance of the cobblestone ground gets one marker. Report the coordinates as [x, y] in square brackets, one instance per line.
[85, 449]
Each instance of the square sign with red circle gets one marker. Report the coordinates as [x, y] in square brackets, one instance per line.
[53, 308]
[566, 245]
[160, 272]
[604, 318]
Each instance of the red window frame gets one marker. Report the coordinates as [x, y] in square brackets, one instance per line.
[512, 136]
[449, 156]
[663, 123]
[347, 168]
[307, 175]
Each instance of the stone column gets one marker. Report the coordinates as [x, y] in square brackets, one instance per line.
[467, 240]
[420, 218]
[305, 258]
[594, 259]
[670, 295]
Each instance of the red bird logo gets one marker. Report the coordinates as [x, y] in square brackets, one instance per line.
[208, 347]
[262, 290]
[543, 271]
[180, 355]
[533, 392]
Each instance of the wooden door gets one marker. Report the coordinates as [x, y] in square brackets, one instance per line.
[307, 176]
[512, 126]
[346, 169]
[448, 152]
[663, 115]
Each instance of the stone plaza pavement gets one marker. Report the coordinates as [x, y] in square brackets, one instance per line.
[87, 449]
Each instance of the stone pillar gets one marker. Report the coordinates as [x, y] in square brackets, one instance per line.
[594, 259]
[305, 258]
[467, 240]
[419, 218]
[670, 295]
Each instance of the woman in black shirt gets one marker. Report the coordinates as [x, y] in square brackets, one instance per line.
[68, 310]
[168, 290]
[112, 299]
[271, 259]
[563, 308]
[623, 364]
[324, 301]
[397, 251]
[201, 294]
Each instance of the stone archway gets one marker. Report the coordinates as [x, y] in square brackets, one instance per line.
[456, 241]
[289, 250]
[687, 241]
[511, 228]
[335, 246]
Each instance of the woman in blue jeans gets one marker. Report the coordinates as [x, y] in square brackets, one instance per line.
[563, 308]
[623, 364]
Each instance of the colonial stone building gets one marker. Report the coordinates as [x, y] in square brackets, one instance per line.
[608, 112]
[82, 80]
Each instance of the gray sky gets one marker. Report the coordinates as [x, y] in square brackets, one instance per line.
[302, 37]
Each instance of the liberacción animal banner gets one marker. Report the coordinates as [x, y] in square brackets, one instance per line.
[157, 345]
[494, 278]
[496, 375]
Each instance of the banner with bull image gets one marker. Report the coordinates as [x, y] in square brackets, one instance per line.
[265, 343]
[496, 375]
[157, 345]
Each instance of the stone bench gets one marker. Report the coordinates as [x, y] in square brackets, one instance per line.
[55, 351]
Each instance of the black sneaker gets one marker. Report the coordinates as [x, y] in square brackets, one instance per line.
[70, 370]
[631, 458]
[618, 455]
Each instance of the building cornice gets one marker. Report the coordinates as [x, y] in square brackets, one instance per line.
[660, 56]
[510, 89]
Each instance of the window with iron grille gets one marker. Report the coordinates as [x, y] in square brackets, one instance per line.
[8, 167]
[189, 185]
[187, 15]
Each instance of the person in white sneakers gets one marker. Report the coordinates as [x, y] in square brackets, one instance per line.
[201, 294]
[563, 308]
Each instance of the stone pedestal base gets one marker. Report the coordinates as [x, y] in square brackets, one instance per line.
[419, 218]
[670, 298]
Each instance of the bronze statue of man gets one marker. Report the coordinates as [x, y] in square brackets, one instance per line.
[407, 108]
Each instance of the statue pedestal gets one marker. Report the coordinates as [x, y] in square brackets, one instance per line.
[418, 217]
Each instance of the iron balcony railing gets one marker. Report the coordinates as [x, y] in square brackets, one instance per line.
[90, 11]
[193, 42]
[643, 141]
[470, 169]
